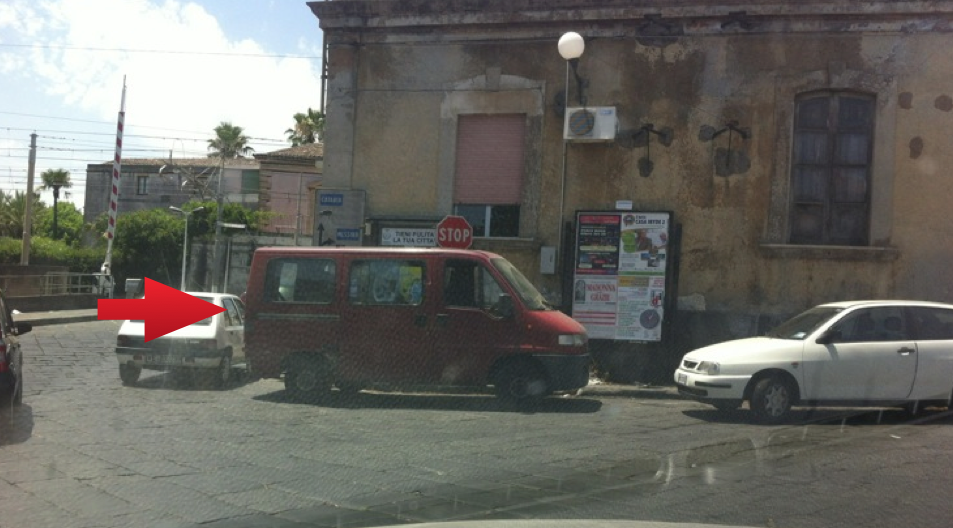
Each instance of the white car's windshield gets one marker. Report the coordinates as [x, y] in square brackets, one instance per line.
[801, 325]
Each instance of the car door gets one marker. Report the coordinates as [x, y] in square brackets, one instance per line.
[469, 333]
[871, 356]
[234, 328]
[385, 321]
[934, 333]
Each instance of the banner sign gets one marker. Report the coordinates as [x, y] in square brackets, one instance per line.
[620, 270]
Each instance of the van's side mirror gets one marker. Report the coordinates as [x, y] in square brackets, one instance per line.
[832, 335]
[504, 306]
[23, 328]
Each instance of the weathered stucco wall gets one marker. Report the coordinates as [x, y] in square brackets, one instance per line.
[691, 66]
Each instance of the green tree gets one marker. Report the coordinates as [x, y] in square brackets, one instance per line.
[308, 128]
[12, 211]
[230, 142]
[148, 243]
[55, 179]
[70, 222]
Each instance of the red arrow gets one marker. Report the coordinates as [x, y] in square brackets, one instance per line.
[163, 309]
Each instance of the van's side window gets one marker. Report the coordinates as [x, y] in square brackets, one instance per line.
[300, 280]
[386, 281]
[468, 284]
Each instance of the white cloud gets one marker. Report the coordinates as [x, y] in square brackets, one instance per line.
[211, 78]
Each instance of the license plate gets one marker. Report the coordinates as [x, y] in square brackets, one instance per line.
[683, 379]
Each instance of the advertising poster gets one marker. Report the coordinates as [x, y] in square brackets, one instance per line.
[619, 279]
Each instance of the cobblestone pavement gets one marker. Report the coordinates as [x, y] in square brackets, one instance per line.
[84, 451]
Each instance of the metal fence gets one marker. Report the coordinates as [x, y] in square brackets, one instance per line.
[56, 284]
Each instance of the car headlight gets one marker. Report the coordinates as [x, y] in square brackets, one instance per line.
[572, 340]
[709, 367]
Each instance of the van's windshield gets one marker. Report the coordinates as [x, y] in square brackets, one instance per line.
[524, 288]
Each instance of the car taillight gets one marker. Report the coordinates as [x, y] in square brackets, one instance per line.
[124, 341]
[4, 365]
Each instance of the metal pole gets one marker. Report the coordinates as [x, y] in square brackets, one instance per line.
[28, 208]
[562, 185]
[216, 254]
[185, 249]
[298, 214]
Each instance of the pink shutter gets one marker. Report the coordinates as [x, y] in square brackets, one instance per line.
[490, 152]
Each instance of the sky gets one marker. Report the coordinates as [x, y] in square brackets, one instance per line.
[187, 65]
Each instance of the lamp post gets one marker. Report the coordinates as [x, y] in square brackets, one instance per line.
[571, 45]
[185, 240]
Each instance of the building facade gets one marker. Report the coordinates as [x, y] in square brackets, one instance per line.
[799, 146]
[151, 183]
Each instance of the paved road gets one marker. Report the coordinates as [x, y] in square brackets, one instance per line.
[84, 451]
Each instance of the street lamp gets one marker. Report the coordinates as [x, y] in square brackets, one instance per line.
[185, 241]
[571, 45]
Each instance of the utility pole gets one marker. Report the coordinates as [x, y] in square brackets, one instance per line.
[28, 208]
[217, 251]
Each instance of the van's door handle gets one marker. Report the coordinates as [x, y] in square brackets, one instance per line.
[906, 351]
[420, 320]
[442, 319]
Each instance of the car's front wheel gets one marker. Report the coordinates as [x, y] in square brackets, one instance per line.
[129, 374]
[771, 399]
[521, 384]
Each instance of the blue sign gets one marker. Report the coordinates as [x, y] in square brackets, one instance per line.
[332, 199]
[349, 235]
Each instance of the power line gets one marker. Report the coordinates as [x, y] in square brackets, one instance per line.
[161, 52]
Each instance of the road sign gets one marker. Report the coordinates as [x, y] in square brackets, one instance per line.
[454, 232]
[164, 309]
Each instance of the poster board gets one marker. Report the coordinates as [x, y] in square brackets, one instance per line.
[619, 276]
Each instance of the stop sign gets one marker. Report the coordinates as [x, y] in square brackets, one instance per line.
[454, 232]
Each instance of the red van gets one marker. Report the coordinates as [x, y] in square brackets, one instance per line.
[352, 317]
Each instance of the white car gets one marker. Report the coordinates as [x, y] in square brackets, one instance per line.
[879, 353]
[214, 345]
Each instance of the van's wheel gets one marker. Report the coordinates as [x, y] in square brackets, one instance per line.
[347, 388]
[129, 374]
[521, 384]
[771, 399]
[306, 379]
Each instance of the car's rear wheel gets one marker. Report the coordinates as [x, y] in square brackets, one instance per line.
[771, 399]
[307, 378]
[224, 373]
[129, 374]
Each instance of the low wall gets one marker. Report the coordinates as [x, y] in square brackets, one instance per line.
[47, 303]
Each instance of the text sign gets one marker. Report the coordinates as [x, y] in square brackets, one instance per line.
[408, 237]
[454, 232]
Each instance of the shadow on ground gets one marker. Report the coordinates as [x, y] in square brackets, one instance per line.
[438, 401]
[826, 416]
[16, 424]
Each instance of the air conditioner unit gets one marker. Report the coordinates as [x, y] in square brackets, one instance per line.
[590, 124]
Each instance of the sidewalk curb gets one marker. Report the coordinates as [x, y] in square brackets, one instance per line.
[54, 318]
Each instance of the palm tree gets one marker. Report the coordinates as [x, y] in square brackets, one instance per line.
[229, 142]
[55, 179]
[309, 128]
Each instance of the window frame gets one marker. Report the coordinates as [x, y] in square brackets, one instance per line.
[142, 185]
[831, 168]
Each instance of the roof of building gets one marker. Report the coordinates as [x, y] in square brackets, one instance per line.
[185, 162]
[307, 151]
